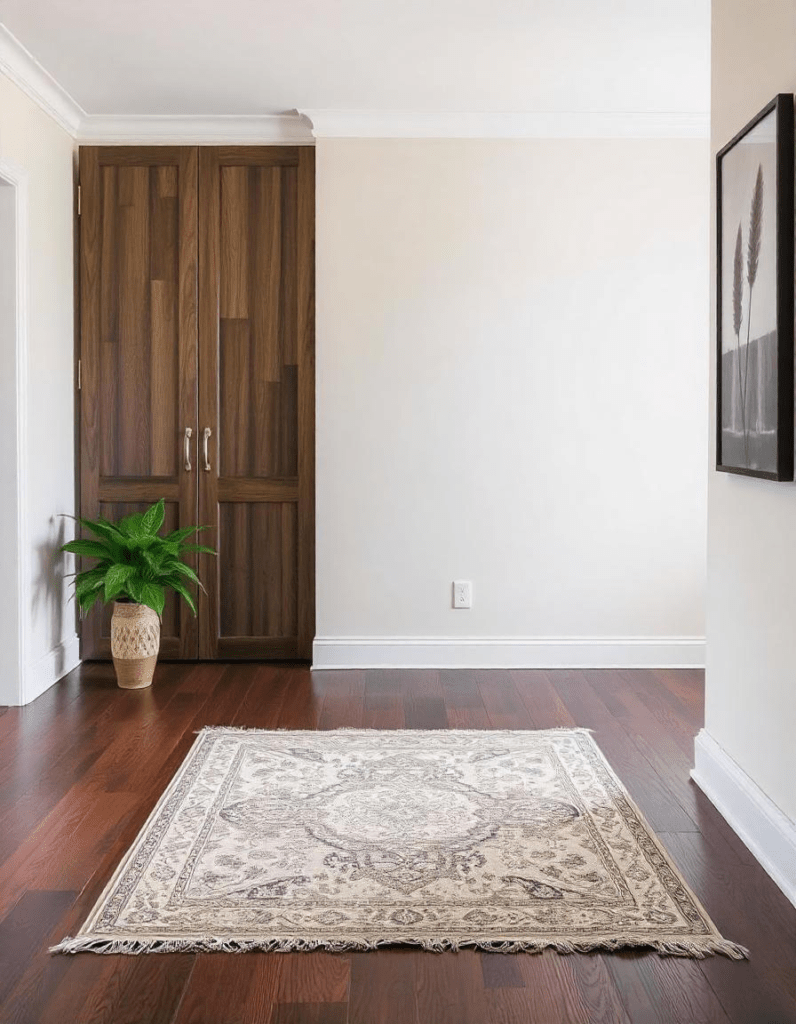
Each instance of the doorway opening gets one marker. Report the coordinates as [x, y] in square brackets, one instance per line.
[13, 555]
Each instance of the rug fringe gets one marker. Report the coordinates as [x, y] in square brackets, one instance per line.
[390, 732]
[696, 949]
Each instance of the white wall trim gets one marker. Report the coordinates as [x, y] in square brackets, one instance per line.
[45, 672]
[378, 124]
[27, 73]
[507, 652]
[128, 130]
[17, 178]
[769, 834]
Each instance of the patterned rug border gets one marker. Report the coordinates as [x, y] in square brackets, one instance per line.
[114, 945]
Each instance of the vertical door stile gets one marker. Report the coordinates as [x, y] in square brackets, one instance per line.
[208, 397]
[188, 371]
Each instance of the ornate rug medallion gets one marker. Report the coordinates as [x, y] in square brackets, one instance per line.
[506, 841]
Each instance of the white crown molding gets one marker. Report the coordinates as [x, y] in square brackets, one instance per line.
[254, 129]
[507, 652]
[383, 124]
[753, 816]
[24, 70]
[304, 126]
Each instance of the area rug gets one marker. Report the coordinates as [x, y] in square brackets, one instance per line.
[357, 839]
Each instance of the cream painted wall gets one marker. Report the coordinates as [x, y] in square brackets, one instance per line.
[33, 142]
[512, 370]
[751, 607]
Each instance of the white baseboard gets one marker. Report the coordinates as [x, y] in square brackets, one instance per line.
[507, 652]
[768, 833]
[42, 674]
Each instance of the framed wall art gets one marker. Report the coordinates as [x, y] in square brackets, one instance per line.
[754, 271]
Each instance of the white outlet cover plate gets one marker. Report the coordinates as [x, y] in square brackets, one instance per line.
[462, 594]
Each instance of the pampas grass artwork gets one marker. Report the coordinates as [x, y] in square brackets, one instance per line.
[752, 263]
[737, 317]
[755, 308]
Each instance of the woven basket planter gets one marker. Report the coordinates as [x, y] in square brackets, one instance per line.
[135, 642]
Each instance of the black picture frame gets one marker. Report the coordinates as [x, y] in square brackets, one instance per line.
[773, 453]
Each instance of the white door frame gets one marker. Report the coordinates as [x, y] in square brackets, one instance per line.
[15, 691]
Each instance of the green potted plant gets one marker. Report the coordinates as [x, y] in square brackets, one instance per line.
[135, 566]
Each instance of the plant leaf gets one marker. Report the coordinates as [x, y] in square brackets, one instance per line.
[737, 283]
[88, 600]
[87, 548]
[115, 579]
[153, 596]
[176, 584]
[186, 531]
[183, 570]
[153, 517]
[154, 558]
[101, 528]
[131, 527]
[198, 547]
[88, 587]
[133, 587]
[755, 229]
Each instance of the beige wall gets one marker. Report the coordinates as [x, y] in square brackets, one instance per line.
[33, 142]
[751, 609]
[512, 370]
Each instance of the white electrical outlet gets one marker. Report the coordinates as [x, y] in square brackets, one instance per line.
[462, 594]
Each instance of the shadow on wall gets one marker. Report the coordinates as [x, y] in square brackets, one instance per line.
[47, 600]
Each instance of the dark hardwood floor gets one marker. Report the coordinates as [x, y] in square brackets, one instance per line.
[81, 768]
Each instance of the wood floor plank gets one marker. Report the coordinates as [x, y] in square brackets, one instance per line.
[463, 701]
[383, 988]
[314, 978]
[23, 930]
[384, 706]
[504, 706]
[599, 993]
[152, 988]
[310, 1013]
[658, 990]
[77, 825]
[424, 704]
[749, 909]
[550, 994]
[449, 988]
[302, 701]
[501, 971]
[544, 706]
[645, 785]
[343, 700]
[219, 988]
[40, 974]
[88, 986]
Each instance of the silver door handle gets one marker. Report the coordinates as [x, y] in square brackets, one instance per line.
[206, 436]
[188, 436]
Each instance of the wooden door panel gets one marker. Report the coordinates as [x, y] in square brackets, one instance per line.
[138, 347]
[256, 228]
[261, 594]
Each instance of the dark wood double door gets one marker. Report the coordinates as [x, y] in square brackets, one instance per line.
[197, 379]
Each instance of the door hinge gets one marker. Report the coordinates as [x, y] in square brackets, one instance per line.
[79, 199]
[80, 375]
